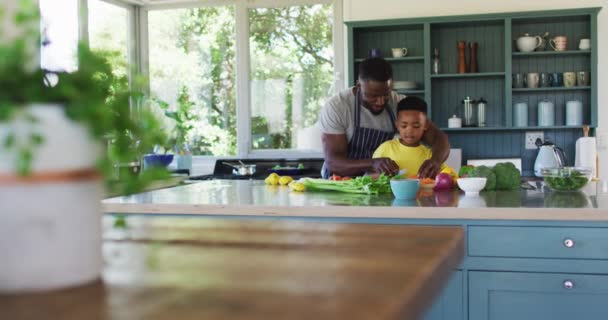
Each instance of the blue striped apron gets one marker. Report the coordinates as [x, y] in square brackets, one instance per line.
[364, 141]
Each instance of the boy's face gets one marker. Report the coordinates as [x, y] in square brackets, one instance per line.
[411, 125]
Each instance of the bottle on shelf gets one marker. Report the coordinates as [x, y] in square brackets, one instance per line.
[473, 67]
[462, 64]
[436, 66]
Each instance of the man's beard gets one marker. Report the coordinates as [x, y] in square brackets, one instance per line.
[375, 111]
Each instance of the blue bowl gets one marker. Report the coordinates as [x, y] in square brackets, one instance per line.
[158, 160]
[405, 189]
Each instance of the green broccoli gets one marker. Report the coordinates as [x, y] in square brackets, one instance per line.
[507, 176]
[485, 172]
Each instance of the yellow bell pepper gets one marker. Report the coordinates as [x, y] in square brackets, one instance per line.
[285, 180]
[296, 186]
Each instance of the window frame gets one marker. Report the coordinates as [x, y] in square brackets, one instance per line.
[243, 120]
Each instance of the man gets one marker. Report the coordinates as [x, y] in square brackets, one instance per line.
[357, 120]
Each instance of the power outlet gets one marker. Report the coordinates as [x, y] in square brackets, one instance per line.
[531, 139]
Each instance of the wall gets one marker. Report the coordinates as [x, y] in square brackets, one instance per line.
[355, 10]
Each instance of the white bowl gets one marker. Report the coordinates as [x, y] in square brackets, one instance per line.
[471, 186]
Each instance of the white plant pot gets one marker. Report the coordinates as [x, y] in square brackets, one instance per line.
[50, 223]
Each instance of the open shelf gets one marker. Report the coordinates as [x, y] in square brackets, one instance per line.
[409, 91]
[512, 128]
[552, 53]
[550, 89]
[412, 58]
[468, 75]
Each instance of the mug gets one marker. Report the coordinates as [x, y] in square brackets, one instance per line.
[518, 80]
[399, 52]
[574, 113]
[582, 78]
[584, 44]
[532, 80]
[556, 79]
[558, 43]
[520, 114]
[545, 80]
[375, 53]
[569, 79]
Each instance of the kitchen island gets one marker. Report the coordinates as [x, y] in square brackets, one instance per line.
[530, 254]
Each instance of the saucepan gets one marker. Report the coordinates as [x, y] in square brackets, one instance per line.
[242, 169]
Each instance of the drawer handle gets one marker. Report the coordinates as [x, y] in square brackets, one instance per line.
[568, 284]
[568, 243]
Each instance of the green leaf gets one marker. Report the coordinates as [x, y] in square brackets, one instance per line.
[36, 139]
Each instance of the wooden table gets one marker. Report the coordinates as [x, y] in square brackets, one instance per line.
[205, 268]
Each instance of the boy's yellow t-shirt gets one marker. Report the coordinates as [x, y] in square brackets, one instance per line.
[409, 158]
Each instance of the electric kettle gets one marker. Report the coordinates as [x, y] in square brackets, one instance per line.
[549, 156]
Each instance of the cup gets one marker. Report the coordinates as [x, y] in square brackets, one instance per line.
[545, 80]
[574, 113]
[569, 79]
[557, 79]
[582, 78]
[520, 114]
[558, 43]
[399, 52]
[518, 80]
[584, 44]
[375, 53]
[532, 80]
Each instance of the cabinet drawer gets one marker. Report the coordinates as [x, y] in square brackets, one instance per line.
[538, 242]
[537, 296]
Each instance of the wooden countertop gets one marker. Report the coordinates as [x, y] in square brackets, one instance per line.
[180, 268]
[248, 197]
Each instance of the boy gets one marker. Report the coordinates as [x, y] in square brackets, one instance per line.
[406, 151]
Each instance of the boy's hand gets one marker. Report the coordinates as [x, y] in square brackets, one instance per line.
[429, 169]
[384, 165]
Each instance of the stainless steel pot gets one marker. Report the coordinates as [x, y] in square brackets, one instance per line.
[242, 169]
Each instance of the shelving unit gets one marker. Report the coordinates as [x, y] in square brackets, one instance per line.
[498, 59]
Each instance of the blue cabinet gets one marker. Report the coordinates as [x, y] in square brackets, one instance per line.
[449, 306]
[534, 296]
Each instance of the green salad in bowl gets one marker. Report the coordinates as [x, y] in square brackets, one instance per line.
[566, 178]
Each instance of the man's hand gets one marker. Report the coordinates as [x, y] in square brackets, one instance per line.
[384, 165]
[429, 169]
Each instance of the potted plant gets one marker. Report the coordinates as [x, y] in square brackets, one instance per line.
[54, 159]
[182, 117]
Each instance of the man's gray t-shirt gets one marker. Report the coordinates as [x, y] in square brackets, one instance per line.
[337, 116]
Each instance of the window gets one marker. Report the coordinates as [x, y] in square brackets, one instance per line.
[284, 77]
[59, 28]
[192, 56]
[109, 32]
[291, 58]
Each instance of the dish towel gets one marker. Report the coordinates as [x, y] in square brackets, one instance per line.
[586, 153]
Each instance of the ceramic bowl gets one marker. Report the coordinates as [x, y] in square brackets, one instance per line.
[405, 189]
[566, 178]
[471, 186]
[158, 160]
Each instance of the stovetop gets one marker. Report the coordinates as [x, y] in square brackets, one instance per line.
[312, 168]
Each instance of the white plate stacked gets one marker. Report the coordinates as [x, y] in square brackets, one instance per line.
[404, 85]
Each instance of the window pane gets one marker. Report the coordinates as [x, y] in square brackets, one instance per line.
[291, 72]
[193, 69]
[59, 24]
[109, 32]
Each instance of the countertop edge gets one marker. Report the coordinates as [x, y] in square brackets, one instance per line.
[446, 213]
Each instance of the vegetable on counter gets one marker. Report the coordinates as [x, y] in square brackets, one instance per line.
[443, 181]
[574, 181]
[272, 179]
[485, 172]
[363, 185]
[297, 186]
[285, 180]
[507, 176]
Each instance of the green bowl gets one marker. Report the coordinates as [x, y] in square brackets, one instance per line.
[566, 178]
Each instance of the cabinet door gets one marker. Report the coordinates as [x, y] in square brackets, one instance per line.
[448, 306]
[537, 296]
